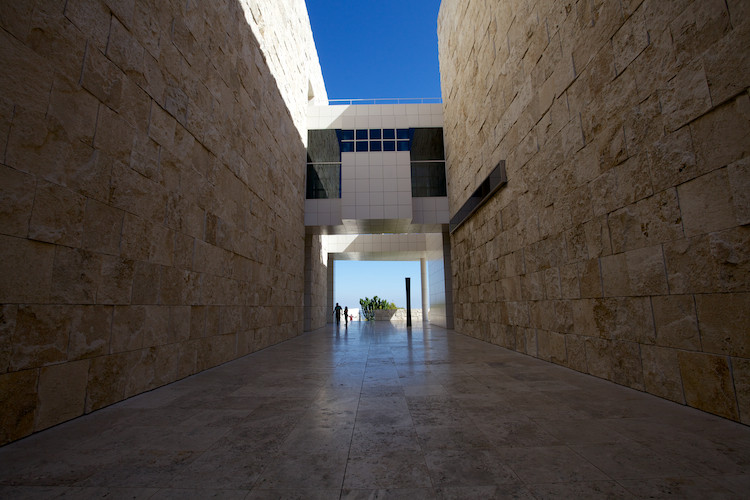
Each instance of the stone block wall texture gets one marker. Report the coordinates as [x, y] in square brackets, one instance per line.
[620, 246]
[151, 199]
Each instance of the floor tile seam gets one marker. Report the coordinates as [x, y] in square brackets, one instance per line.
[275, 456]
[354, 427]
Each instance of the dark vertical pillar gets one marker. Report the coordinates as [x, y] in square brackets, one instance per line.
[408, 301]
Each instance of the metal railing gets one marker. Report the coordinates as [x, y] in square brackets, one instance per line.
[386, 100]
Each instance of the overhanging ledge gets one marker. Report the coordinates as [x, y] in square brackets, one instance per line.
[480, 196]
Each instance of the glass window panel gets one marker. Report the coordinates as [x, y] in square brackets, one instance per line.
[322, 146]
[428, 179]
[375, 133]
[347, 147]
[403, 145]
[402, 133]
[389, 145]
[323, 181]
[361, 134]
[361, 146]
[375, 146]
[427, 144]
[389, 133]
[346, 135]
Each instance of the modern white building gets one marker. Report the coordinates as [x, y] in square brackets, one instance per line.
[376, 190]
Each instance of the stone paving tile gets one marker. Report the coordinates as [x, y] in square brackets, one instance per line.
[381, 412]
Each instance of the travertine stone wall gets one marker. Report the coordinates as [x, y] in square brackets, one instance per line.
[151, 200]
[283, 30]
[620, 246]
[316, 283]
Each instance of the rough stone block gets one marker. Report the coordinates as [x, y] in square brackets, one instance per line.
[146, 283]
[718, 262]
[179, 323]
[61, 393]
[685, 97]
[18, 391]
[722, 136]
[102, 226]
[653, 220]
[626, 318]
[576, 350]
[617, 361]
[141, 372]
[705, 205]
[57, 216]
[8, 313]
[661, 373]
[114, 137]
[739, 184]
[673, 160]
[707, 383]
[728, 69]
[57, 40]
[75, 276]
[630, 40]
[116, 281]
[29, 83]
[161, 126]
[741, 373]
[179, 286]
[620, 186]
[124, 50]
[137, 194]
[589, 276]
[26, 268]
[90, 331]
[676, 322]
[724, 322]
[107, 378]
[698, 25]
[92, 17]
[41, 337]
[16, 199]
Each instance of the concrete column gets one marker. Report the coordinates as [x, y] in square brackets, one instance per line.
[329, 288]
[425, 292]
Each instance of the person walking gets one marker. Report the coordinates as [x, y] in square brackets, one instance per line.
[346, 315]
[337, 312]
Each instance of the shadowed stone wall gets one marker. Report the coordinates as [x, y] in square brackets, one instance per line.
[151, 198]
[620, 246]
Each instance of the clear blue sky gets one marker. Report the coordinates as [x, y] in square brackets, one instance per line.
[370, 49]
[354, 280]
[377, 48]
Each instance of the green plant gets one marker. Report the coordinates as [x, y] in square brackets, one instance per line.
[370, 305]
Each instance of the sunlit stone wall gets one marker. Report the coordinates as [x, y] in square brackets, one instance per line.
[620, 246]
[151, 196]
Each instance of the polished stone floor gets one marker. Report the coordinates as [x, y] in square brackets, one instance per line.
[375, 411]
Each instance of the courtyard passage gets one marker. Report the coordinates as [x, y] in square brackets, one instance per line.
[374, 410]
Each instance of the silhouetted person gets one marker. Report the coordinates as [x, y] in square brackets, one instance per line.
[337, 312]
[346, 315]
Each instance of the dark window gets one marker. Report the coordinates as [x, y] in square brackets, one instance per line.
[389, 133]
[389, 145]
[375, 146]
[402, 133]
[361, 146]
[346, 135]
[403, 145]
[427, 144]
[347, 147]
[428, 179]
[322, 146]
[361, 134]
[323, 181]
[374, 133]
